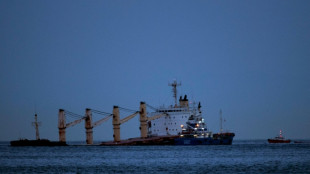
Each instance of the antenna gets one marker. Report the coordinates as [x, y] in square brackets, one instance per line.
[35, 106]
[36, 124]
[174, 90]
[221, 121]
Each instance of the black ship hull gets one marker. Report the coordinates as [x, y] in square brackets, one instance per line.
[217, 139]
[40, 142]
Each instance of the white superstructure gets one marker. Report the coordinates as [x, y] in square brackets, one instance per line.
[175, 118]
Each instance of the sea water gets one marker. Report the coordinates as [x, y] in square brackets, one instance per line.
[240, 157]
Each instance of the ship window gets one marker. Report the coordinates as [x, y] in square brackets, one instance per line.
[175, 123]
[154, 124]
[165, 123]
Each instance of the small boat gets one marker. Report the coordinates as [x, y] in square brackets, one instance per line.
[279, 139]
[195, 132]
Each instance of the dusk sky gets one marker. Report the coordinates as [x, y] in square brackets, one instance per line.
[249, 58]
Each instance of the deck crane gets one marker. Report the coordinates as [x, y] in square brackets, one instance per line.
[89, 125]
[62, 123]
[144, 119]
[117, 122]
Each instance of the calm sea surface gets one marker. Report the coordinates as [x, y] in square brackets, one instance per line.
[241, 157]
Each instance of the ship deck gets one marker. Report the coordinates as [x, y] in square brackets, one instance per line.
[158, 140]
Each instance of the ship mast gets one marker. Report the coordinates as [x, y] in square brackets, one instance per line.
[36, 124]
[174, 90]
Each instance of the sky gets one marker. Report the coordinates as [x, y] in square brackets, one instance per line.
[251, 59]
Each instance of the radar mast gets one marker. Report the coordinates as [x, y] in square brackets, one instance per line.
[174, 90]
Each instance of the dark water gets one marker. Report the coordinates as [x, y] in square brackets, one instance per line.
[241, 157]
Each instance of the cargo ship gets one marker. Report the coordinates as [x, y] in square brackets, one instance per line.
[37, 141]
[186, 123]
[279, 139]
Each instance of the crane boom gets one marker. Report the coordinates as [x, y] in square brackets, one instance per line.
[97, 123]
[156, 116]
[128, 118]
[74, 122]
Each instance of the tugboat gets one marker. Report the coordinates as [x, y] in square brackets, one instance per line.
[38, 141]
[279, 139]
[196, 133]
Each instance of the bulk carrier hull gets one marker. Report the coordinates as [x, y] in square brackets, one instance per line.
[170, 140]
[41, 142]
